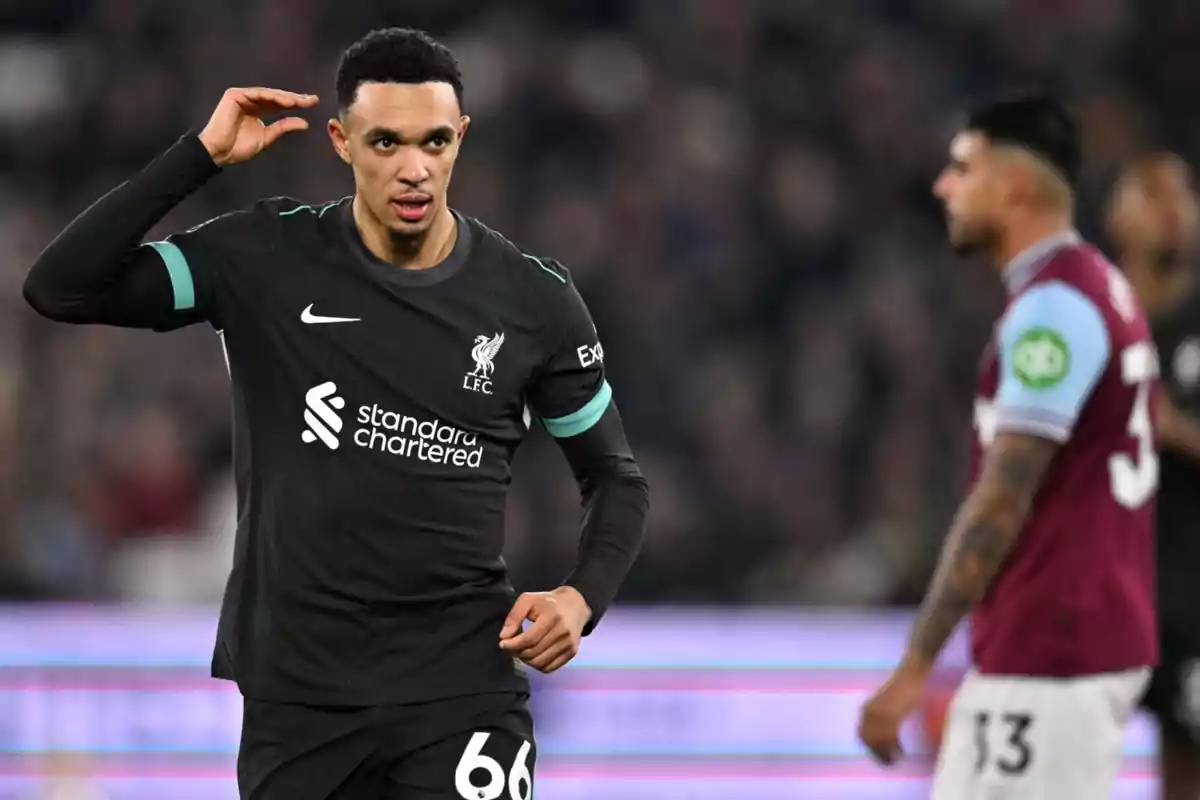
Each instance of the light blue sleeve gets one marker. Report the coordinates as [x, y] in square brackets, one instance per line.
[1053, 346]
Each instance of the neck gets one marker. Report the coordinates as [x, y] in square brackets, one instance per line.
[1020, 238]
[1155, 288]
[427, 249]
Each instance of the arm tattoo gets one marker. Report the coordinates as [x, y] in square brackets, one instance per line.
[983, 533]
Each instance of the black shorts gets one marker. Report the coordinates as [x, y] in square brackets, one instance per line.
[1174, 692]
[478, 747]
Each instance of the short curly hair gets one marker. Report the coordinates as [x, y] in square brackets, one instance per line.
[396, 55]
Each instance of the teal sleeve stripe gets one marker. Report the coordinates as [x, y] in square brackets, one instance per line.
[538, 261]
[583, 419]
[180, 272]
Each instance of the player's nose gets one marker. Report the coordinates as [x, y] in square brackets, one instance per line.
[941, 186]
[412, 171]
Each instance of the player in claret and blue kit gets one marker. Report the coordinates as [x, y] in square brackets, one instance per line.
[1052, 553]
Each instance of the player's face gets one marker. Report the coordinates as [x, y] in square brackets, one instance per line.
[1154, 211]
[971, 190]
[402, 140]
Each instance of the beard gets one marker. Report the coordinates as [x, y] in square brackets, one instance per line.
[969, 241]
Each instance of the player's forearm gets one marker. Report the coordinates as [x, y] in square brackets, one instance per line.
[1176, 430]
[616, 502]
[75, 271]
[981, 537]
[615, 510]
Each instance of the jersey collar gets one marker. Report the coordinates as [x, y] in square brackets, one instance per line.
[459, 255]
[1026, 264]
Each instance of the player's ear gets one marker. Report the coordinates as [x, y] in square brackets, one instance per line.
[1113, 217]
[337, 135]
[464, 122]
[1017, 184]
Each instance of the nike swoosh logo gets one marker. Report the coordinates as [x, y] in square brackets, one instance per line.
[309, 318]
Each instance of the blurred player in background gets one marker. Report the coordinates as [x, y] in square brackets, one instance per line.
[1153, 223]
[1052, 553]
[387, 356]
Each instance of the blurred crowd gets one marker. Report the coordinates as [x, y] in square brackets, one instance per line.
[740, 188]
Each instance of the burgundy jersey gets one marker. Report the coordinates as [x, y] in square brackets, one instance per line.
[1072, 360]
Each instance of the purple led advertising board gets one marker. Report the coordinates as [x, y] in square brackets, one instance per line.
[117, 705]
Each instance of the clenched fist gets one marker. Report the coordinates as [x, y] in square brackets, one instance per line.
[882, 716]
[557, 619]
[236, 131]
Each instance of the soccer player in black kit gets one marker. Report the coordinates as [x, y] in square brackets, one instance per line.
[387, 356]
[1152, 221]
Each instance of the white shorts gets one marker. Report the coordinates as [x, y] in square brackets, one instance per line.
[1036, 738]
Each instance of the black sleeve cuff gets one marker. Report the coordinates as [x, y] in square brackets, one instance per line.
[184, 167]
[594, 600]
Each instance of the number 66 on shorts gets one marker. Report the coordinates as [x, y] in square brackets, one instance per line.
[469, 775]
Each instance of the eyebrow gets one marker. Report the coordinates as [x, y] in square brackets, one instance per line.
[380, 132]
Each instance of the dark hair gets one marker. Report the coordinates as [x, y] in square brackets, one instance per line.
[1036, 122]
[1151, 157]
[396, 55]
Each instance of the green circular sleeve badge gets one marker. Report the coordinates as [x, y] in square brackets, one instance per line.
[1041, 358]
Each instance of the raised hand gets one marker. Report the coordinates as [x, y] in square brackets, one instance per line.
[236, 131]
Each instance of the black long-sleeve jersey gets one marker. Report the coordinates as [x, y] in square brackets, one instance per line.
[1177, 337]
[376, 413]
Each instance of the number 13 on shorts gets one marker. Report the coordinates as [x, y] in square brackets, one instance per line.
[481, 777]
[987, 753]
[1028, 738]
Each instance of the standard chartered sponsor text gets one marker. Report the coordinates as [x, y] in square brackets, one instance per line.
[433, 440]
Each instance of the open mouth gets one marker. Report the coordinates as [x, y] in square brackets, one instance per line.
[411, 209]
